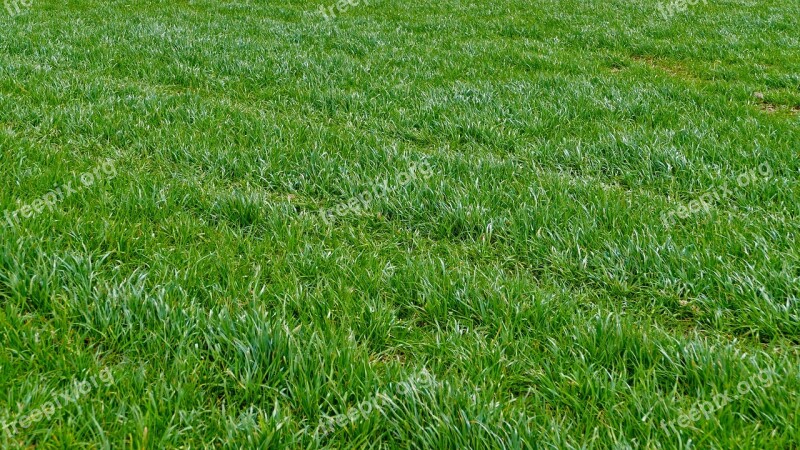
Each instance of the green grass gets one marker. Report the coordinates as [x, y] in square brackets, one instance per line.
[531, 274]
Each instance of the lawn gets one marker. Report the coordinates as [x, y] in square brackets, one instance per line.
[399, 224]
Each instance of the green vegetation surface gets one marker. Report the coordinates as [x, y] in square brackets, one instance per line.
[582, 230]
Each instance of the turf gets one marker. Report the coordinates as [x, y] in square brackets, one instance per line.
[582, 265]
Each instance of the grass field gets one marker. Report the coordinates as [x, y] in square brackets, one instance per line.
[416, 224]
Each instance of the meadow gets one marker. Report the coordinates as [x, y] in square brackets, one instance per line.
[378, 224]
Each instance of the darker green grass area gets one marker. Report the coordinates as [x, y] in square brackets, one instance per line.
[533, 275]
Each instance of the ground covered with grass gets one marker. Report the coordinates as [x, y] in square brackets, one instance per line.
[581, 227]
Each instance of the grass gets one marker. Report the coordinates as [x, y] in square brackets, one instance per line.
[531, 274]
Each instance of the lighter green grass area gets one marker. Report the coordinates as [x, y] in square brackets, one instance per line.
[531, 274]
